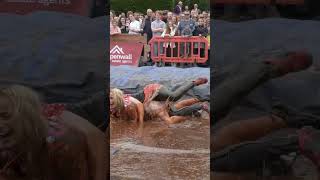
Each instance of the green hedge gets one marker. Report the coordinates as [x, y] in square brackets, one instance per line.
[143, 5]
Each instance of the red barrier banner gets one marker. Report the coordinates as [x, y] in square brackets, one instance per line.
[125, 53]
[80, 7]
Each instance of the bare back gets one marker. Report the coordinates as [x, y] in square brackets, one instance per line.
[155, 109]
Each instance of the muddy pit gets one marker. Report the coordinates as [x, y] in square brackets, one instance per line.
[160, 151]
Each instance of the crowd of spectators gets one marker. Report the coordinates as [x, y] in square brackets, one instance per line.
[179, 22]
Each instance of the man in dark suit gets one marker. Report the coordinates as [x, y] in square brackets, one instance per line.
[178, 8]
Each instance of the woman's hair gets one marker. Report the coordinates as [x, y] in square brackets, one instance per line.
[115, 21]
[177, 20]
[168, 30]
[117, 96]
[29, 127]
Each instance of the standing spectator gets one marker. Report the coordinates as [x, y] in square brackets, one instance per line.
[186, 28]
[207, 22]
[147, 25]
[178, 8]
[157, 28]
[136, 16]
[153, 16]
[175, 21]
[169, 16]
[186, 8]
[116, 19]
[195, 8]
[165, 17]
[134, 26]
[193, 13]
[181, 17]
[141, 18]
[195, 18]
[128, 13]
[170, 30]
[114, 29]
[205, 14]
[201, 29]
[122, 25]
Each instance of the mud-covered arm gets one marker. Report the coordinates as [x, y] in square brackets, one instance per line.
[139, 109]
[164, 115]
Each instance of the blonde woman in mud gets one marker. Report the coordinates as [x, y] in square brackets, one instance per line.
[125, 107]
[131, 106]
[47, 142]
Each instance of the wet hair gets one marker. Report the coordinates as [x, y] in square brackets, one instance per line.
[117, 95]
[28, 126]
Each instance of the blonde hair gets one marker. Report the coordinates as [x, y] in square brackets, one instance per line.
[117, 96]
[29, 128]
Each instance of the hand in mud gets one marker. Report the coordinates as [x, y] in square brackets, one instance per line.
[140, 130]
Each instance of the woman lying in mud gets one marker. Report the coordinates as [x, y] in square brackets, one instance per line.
[133, 106]
[245, 144]
[45, 141]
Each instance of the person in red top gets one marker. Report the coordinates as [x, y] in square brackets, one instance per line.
[47, 142]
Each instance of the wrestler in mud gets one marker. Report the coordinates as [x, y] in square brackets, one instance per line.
[125, 107]
[156, 98]
[244, 145]
[174, 113]
[45, 141]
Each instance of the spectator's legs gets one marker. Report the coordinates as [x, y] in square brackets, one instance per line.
[182, 48]
[155, 49]
[161, 49]
[188, 54]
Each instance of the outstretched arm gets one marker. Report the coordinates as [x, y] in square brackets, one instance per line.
[139, 109]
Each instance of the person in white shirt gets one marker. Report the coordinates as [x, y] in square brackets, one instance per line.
[134, 26]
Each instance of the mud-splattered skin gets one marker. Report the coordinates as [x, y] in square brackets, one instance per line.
[129, 113]
[132, 109]
[155, 109]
